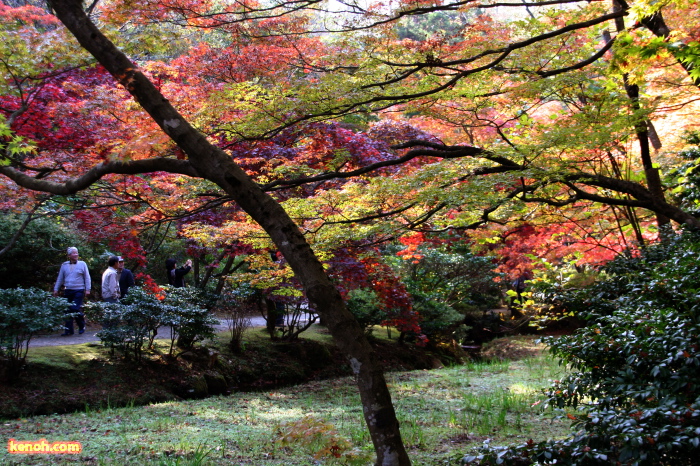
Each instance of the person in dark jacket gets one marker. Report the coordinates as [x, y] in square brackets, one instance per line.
[126, 278]
[176, 277]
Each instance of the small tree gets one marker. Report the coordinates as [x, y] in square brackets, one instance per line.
[236, 305]
[130, 327]
[188, 315]
[23, 314]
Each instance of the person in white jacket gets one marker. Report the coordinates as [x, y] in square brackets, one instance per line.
[110, 282]
[74, 278]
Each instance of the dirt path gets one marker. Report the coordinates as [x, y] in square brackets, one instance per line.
[91, 329]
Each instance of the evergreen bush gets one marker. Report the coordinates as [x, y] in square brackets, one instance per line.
[634, 394]
[132, 325]
[23, 314]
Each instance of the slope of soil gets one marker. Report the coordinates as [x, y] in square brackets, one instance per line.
[61, 379]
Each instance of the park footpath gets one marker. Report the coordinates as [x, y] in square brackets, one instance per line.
[55, 339]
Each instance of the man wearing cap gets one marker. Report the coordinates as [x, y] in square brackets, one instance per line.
[126, 278]
[74, 277]
[110, 282]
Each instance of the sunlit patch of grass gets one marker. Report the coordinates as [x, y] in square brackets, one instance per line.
[69, 357]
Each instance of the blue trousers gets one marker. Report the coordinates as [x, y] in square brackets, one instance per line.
[75, 297]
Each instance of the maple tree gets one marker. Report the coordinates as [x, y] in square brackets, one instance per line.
[549, 133]
[209, 162]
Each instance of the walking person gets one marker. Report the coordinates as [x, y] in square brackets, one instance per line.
[74, 277]
[176, 277]
[110, 282]
[519, 286]
[126, 278]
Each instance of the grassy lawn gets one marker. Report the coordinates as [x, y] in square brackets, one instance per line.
[443, 412]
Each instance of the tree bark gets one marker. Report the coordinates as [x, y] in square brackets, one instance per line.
[641, 129]
[214, 164]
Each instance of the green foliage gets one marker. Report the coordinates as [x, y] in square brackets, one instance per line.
[460, 279]
[11, 145]
[35, 258]
[560, 291]
[131, 326]
[686, 53]
[188, 315]
[439, 321]
[445, 285]
[637, 373]
[365, 305]
[23, 314]
[664, 275]
[686, 178]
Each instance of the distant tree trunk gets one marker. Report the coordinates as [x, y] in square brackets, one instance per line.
[13, 240]
[271, 317]
[215, 165]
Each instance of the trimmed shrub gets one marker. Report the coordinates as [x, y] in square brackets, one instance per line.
[23, 314]
[188, 315]
[132, 325]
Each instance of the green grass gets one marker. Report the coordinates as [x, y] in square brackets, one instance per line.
[444, 413]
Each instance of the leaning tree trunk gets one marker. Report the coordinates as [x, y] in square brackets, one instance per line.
[215, 165]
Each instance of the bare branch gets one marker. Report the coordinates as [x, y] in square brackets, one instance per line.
[74, 185]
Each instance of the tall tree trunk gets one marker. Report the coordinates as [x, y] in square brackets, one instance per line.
[641, 129]
[215, 165]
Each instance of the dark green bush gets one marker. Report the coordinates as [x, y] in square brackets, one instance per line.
[23, 314]
[448, 287]
[439, 321]
[188, 315]
[459, 279]
[365, 305]
[635, 389]
[685, 180]
[36, 257]
[665, 273]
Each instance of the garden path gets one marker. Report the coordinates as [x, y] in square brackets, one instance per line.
[55, 339]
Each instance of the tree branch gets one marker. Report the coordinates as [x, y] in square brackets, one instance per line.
[74, 185]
